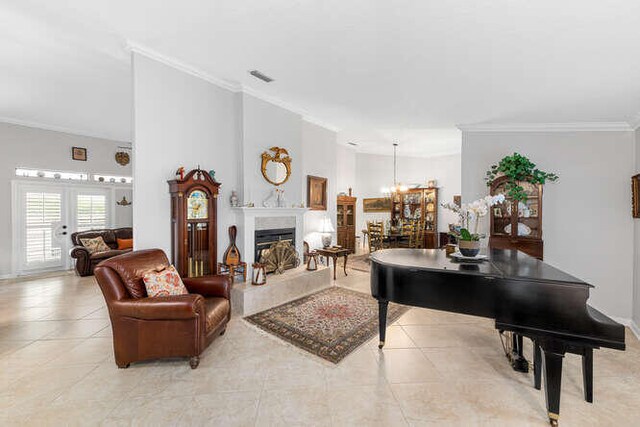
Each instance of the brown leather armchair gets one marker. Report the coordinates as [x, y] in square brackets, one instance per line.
[150, 328]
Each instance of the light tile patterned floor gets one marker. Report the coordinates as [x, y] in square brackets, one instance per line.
[439, 368]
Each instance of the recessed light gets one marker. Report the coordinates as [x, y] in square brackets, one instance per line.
[258, 75]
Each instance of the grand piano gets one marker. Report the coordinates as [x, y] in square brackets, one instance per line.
[525, 296]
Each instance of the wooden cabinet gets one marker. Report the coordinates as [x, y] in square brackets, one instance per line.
[193, 224]
[421, 206]
[517, 225]
[346, 222]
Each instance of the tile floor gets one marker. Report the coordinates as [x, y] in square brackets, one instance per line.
[437, 368]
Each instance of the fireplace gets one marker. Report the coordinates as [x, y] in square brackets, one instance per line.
[265, 238]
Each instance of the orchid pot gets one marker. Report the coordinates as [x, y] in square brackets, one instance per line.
[469, 248]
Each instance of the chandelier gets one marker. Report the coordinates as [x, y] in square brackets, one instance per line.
[396, 187]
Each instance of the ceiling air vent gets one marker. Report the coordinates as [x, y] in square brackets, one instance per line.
[258, 75]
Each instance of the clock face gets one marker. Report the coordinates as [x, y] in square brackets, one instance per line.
[197, 205]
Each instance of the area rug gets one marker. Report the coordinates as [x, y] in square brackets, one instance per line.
[360, 263]
[330, 323]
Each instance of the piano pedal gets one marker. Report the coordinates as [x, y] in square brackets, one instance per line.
[520, 364]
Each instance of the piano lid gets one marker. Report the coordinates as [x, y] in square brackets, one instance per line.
[508, 264]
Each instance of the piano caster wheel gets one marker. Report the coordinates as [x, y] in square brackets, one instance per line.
[381, 344]
[553, 419]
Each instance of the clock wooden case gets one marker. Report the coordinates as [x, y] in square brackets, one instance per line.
[193, 223]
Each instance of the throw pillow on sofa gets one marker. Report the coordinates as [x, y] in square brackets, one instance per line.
[94, 245]
[125, 243]
[164, 283]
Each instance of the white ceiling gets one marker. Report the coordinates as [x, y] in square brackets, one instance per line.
[400, 69]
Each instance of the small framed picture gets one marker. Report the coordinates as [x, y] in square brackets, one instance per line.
[457, 200]
[497, 212]
[635, 195]
[79, 153]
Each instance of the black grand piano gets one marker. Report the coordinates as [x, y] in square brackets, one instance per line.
[525, 296]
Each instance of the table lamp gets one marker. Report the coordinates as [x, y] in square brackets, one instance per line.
[326, 228]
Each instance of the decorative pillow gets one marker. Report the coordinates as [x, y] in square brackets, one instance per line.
[94, 245]
[164, 283]
[125, 243]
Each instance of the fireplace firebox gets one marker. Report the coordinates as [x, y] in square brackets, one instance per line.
[265, 238]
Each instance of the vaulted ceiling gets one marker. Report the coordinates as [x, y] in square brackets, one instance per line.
[391, 67]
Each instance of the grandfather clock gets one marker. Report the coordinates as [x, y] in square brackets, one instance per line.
[193, 223]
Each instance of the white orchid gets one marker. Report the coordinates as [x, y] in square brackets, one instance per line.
[475, 210]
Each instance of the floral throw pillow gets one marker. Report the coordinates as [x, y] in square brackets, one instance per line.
[94, 245]
[164, 283]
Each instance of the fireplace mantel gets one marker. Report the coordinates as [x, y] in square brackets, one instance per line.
[261, 211]
[247, 226]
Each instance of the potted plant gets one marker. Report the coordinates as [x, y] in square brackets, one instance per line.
[517, 168]
[468, 213]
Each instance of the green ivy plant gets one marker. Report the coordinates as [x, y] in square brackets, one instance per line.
[518, 168]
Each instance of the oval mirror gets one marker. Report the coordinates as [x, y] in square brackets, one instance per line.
[276, 167]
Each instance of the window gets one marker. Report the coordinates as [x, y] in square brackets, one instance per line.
[91, 211]
[42, 212]
[40, 173]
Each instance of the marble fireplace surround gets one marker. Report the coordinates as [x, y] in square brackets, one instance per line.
[259, 218]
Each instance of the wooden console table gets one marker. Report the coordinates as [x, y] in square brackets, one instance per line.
[334, 253]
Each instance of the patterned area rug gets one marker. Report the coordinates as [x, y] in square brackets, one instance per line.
[360, 263]
[330, 323]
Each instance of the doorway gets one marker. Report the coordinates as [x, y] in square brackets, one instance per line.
[46, 214]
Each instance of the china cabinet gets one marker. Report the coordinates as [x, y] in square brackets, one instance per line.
[517, 224]
[418, 205]
[346, 222]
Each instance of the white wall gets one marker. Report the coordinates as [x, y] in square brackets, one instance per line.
[319, 159]
[374, 172]
[587, 229]
[636, 240]
[29, 147]
[265, 125]
[180, 120]
[346, 169]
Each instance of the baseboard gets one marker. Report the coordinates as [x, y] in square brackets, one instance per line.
[635, 329]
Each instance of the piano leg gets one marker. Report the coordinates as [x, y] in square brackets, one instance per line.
[587, 374]
[537, 365]
[382, 320]
[553, 355]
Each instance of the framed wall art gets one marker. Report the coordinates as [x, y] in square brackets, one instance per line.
[378, 204]
[635, 195]
[316, 193]
[79, 153]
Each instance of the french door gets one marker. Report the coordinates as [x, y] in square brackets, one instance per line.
[45, 216]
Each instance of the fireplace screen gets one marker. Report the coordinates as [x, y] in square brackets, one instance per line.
[280, 257]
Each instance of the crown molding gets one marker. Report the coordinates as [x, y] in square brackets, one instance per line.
[225, 84]
[179, 65]
[548, 127]
[635, 123]
[61, 129]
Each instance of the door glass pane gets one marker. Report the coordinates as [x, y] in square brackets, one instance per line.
[91, 212]
[43, 212]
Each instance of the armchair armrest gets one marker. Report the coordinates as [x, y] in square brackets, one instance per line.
[160, 308]
[79, 252]
[209, 286]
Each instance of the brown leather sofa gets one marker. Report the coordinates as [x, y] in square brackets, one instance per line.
[85, 262]
[147, 328]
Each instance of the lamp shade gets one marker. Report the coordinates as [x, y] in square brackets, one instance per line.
[326, 226]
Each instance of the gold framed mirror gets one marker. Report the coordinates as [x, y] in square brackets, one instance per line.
[276, 166]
